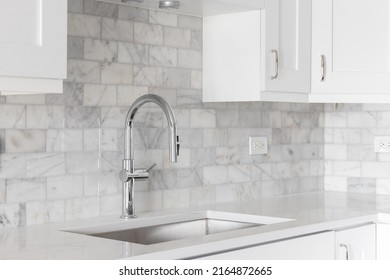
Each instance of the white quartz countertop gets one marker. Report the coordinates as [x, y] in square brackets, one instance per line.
[311, 212]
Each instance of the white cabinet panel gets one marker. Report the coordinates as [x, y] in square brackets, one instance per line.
[231, 57]
[313, 247]
[356, 243]
[383, 242]
[354, 37]
[33, 44]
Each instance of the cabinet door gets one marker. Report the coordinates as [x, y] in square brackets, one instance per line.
[287, 45]
[231, 57]
[32, 40]
[351, 39]
[356, 243]
[313, 247]
[383, 242]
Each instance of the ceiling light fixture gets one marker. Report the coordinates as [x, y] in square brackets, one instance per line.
[169, 4]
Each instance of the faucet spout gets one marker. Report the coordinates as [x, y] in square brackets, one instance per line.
[128, 175]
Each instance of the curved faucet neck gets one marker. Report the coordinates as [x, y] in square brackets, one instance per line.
[138, 103]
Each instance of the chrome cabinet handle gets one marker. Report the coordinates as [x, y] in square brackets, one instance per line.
[346, 250]
[323, 68]
[276, 64]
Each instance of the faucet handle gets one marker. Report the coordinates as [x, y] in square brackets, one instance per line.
[150, 168]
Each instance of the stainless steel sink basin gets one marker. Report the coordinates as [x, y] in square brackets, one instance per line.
[175, 227]
[174, 231]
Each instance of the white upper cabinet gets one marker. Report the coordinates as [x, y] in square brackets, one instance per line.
[328, 50]
[200, 8]
[32, 46]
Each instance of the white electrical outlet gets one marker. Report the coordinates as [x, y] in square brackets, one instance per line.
[382, 144]
[258, 145]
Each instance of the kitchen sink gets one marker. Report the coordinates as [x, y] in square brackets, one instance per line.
[175, 227]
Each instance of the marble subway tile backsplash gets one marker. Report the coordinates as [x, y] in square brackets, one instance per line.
[60, 154]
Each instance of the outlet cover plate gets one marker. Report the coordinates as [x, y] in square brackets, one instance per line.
[258, 145]
[382, 144]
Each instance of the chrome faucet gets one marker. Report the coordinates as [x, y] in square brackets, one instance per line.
[129, 174]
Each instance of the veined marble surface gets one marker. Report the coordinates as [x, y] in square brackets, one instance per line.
[311, 212]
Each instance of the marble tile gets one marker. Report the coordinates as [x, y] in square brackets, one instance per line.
[75, 47]
[362, 185]
[215, 137]
[189, 98]
[148, 33]
[100, 50]
[361, 152]
[170, 95]
[196, 79]
[227, 155]
[184, 160]
[12, 166]
[26, 99]
[12, 215]
[176, 198]
[189, 177]
[101, 184]
[190, 59]
[375, 107]
[133, 53]
[84, 26]
[362, 119]
[300, 169]
[271, 119]
[371, 169]
[162, 56]
[336, 120]
[249, 119]
[261, 172]
[161, 18]
[202, 118]
[191, 138]
[133, 13]
[349, 168]
[100, 95]
[64, 187]
[239, 173]
[91, 141]
[113, 117]
[22, 190]
[128, 94]
[116, 73]
[215, 175]
[202, 195]
[203, 157]
[12, 116]
[25, 141]
[75, 6]
[82, 117]
[383, 186]
[111, 161]
[45, 164]
[2, 191]
[163, 179]
[82, 163]
[148, 76]
[197, 39]
[176, 37]
[176, 78]
[118, 30]
[72, 96]
[149, 201]
[80, 208]
[82, 71]
[335, 152]
[64, 140]
[300, 119]
[93, 7]
[39, 212]
[110, 205]
[109, 139]
[43, 117]
[190, 22]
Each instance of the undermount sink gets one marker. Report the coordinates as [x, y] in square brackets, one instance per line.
[176, 227]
